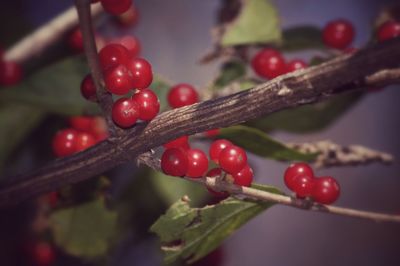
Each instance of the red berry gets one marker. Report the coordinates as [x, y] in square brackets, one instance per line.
[132, 44]
[10, 73]
[197, 163]
[81, 123]
[112, 55]
[181, 95]
[84, 141]
[216, 172]
[43, 254]
[88, 89]
[326, 190]
[141, 73]
[129, 18]
[338, 34]
[64, 142]
[216, 148]
[149, 106]
[388, 30]
[303, 185]
[125, 112]
[116, 7]
[179, 143]
[232, 159]
[295, 64]
[212, 133]
[118, 80]
[244, 177]
[295, 170]
[269, 63]
[174, 162]
[75, 41]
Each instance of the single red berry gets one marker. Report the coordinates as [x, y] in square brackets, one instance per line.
[64, 142]
[212, 133]
[88, 89]
[116, 7]
[141, 73]
[132, 44]
[118, 80]
[174, 162]
[232, 159]
[75, 40]
[338, 34]
[181, 95]
[303, 185]
[10, 73]
[81, 123]
[149, 106]
[84, 141]
[129, 18]
[269, 63]
[197, 163]
[326, 190]
[295, 170]
[43, 254]
[216, 148]
[216, 172]
[179, 143]
[295, 64]
[112, 55]
[388, 30]
[244, 177]
[125, 112]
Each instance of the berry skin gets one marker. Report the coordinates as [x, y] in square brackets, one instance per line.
[326, 190]
[64, 142]
[244, 177]
[338, 34]
[269, 63]
[84, 141]
[43, 254]
[197, 163]
[295, 64]
[118, 80]
[81, 123]
[216, 172]
[125, 112]
[129, 18]
[149, 106]
[112, 55]
[75, 41]
[303, 185]
[216, 148]
[232, 159]
[141, 73]
[388, 30]
[181, 95]
[88, 89]
[179, 143]
[212, 133]
[295, 170]
[174, 162]
[132, 44]
[10, 73]
[116, 7]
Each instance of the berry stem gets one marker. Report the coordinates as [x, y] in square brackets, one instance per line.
[104, 98]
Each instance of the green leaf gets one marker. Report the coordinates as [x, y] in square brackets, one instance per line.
[54, 89]
[259, 143]
[170, 189]
[191, 233]
[85, 230]
[309, 118]
[161, 86]
[230, 71]
[256, 23]
[301, 38]
[16, 122]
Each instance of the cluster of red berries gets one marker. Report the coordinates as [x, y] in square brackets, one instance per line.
[179, 159]
[10, 72]
[85, 131]
[299, 178]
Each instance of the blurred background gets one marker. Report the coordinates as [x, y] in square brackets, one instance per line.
[174, 35]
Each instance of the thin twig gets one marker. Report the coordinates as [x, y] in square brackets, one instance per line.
[34, 44]
[104, 98]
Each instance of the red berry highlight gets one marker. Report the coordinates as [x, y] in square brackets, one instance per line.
[142, 74]
[118, 80]
[294, 171]
[10, 73]
[326, 190]
[197, 163]
[268, 63]
[181, 95]
[232, 159]
[174, 162]
[338, 34]
[388, 30]
[295, 64]
[149, 106]
[64, 142]
[125, 112]
[216, 148]
[244, 177]
[84, 141]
